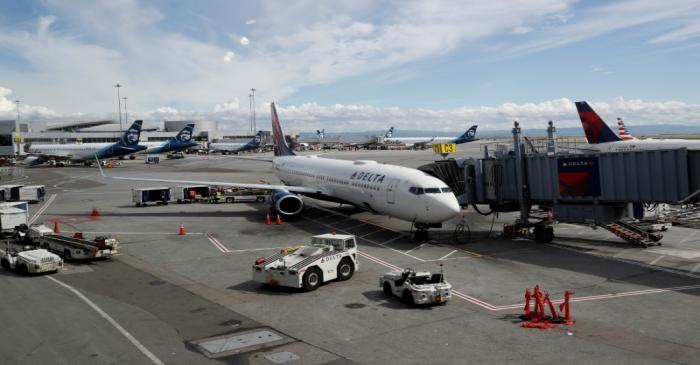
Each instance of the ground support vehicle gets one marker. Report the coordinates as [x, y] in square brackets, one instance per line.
[190, 193]
[141, 197]
[76, 248]
[329, 257]
[29, 261]
[234, 195]
[11, 217]
[32, 193]
[10, 192]
[416, 287]
[152, 160]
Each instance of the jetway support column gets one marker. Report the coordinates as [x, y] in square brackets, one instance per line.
[517, 149]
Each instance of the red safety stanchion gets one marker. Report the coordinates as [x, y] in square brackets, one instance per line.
[566, 307]
[95, 214]
[182, 230]
[278, 221]
[552, 310]
[267, 219]
[56, 227]
[526, 310]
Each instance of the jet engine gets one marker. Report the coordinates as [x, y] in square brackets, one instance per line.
[287, 203]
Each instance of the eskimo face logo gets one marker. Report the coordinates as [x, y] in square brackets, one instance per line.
[132, 136]
[257, 139]
[185, 136]
[471, 133]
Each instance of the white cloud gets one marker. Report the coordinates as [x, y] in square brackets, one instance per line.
[522, 30]
[250, 21]
[244, 41]
[8, 108]
[229, 56]
[682, 34]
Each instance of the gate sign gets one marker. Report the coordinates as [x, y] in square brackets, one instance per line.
[578, 176]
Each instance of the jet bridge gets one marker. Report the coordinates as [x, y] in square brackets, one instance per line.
[584, 188]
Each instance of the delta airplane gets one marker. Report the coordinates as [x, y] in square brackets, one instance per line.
[391, 190]
[85, 152]
[182, 141]
[602, 138]
[230, 147]
[423, 142]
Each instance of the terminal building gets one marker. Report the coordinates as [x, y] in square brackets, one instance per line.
[98, 131]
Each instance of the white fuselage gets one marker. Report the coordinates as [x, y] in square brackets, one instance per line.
[225, 146]
[412, 141]
[646, 144]
[73, 151]
[151, 147]
[387, 189]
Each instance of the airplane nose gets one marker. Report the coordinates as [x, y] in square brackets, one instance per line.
[444, 208]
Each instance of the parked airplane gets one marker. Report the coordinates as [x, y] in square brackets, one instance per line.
[85, 152]
[321, 134]
[423, 142]
[601, 137]
[389, 133]
[231, 147]
[392, 190]
[182, 141]
[622, 131]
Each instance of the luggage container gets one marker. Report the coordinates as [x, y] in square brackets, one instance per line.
[19, 205]
[10, 217]
[142, 196]
[153, 160]
[190, 193]
[9, 192]
[32, 193]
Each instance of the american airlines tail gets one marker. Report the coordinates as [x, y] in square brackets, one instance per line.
[595, 128]
[622, 131]
[281, 146]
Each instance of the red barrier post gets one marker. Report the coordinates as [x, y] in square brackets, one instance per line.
[566, 306]
[539, 308]
[552, 310]
[528, 297]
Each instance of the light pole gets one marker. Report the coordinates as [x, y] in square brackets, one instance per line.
[250, 108]
[126, 113]
[17, 127]
[255, 127]
[119, 105]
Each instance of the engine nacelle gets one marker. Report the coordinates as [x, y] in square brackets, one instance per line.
[287, 203]
[34, 160]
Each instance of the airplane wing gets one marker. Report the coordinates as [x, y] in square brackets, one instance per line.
[293, 189]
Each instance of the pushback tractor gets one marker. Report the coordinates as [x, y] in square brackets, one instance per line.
[328, 257]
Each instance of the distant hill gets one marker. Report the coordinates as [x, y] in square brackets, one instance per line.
[639, 130]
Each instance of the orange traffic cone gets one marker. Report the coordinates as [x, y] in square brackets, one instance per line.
[182, 230]
[278, 220]
[56, 228]
[95, 214]
[267, 219]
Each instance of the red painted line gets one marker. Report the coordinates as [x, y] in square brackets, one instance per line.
[379, 261]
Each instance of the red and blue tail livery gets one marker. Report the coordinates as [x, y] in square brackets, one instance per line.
[281, 146]
[595, 128]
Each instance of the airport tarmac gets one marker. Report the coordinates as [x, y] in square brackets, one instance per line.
[168, 298]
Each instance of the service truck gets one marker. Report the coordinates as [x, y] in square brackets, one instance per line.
[328, 257]
[190, 193]
[9, 192]
[239, 195]
[416, 287]
[73, 248]
[142, 196]
[29, 261]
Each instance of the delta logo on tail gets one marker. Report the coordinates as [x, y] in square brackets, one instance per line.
[281, 146]
[595, 128]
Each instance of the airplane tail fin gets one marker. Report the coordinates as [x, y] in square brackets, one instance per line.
[595, 128]
[131, 136]
[257, 140]
[389, 133]
[185, 135]
[281, 146]
[622, 131]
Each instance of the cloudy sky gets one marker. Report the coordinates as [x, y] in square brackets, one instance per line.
[353, 65]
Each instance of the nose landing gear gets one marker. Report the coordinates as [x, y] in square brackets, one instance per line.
[421, 232]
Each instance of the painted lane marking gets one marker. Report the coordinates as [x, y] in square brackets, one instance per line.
[656, 260]
[448, 255]
[111, 321]
[42, 209]
[417, 247]
[139, 233]
[216, 243]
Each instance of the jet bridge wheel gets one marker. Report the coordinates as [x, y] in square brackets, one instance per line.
[543, 234]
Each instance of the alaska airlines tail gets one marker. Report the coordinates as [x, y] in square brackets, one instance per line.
[185, 135]
[389, 133]
[257, 140]
[281, 146]
[595, 128]
[131, 136]
[468, 136]
[320, 134]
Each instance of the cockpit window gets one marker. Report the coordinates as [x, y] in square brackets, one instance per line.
[415, 190]
[432, 190]
[446, 190]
